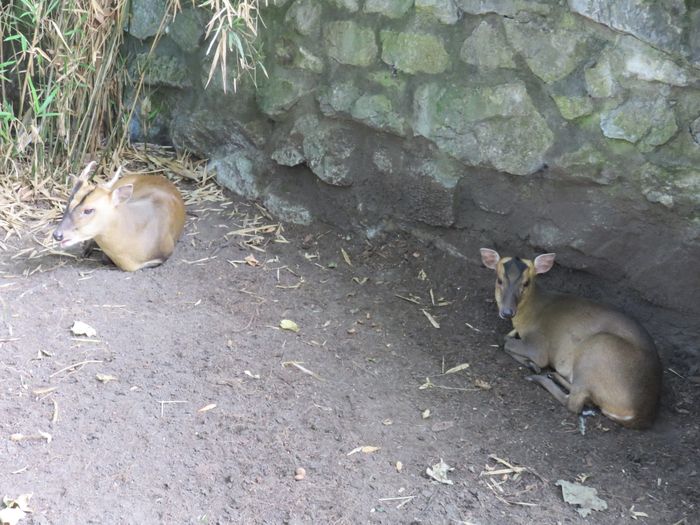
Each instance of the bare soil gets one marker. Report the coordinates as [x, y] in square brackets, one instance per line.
[203, 329]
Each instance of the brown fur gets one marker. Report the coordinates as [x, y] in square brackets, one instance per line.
[601, 356]
[136, 220]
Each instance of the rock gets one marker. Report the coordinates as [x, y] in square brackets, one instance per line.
[414, 52]
[487, 47]
[431, 200]
[551, 49]
[629, 60]
[289, 53]
[328, 148]
[694, 37]
[695, 130]
[649, 120]
[305, 59]
[162, 70]
[445, 11]
[643, 62]
[573, 107]
[236, 171]
[600, 79]
[146, 17]
[349, 43]
[489, 197]
[495, 126]
[657, 23]
[382, 161]
[390, 82]
[187, 30]
[546, 233]
[508, 8]
[207, 131]
[350, 5]
[433, 183]
[338, 98]
[287, 209]
[282, 90]
[377, 112]
[671, 188]
[388, 8]
[305, 17]
[288, 155]
[588, 163]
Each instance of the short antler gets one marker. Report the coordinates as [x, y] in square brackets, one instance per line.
[108, 185]
[82, 179]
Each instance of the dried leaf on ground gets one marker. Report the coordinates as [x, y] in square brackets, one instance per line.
[287, 324]
[425, 414]
[11, 515]
[439, 471]
[81, 328]
[585, 497]
[207, 408]
[251, 374]
[21, 502]
[39, 436]
[366, 449]
[105, 378]
[636, 514]
[346, 257]
[457, 368]
[483, 385]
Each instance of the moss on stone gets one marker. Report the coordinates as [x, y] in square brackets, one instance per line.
[377, 112]
[414, 52]
[487, 47]
[573, 107]
[388, 80]
[388, 8]
[349, 43]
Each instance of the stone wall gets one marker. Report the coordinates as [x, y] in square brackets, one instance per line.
[523, 125]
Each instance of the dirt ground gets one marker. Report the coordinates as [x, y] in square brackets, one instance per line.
[212, 407]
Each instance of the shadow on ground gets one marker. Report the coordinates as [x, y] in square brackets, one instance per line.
[149, 446]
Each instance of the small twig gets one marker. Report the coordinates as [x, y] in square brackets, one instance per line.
[409, 299]
[76, 365]
[674, 372]
[473, 327]
[396, 498]
[297, 364]
[54, 417]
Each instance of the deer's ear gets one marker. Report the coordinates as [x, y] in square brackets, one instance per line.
[122, 194]
[490, 258]
[544, 262]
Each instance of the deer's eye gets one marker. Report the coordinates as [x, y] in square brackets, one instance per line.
[526, 284]
[499, 280]
[88, 211]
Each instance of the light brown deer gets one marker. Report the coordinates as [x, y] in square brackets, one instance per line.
[135, 220]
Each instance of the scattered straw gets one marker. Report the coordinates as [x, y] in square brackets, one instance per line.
[31, 207]
[75, 366]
